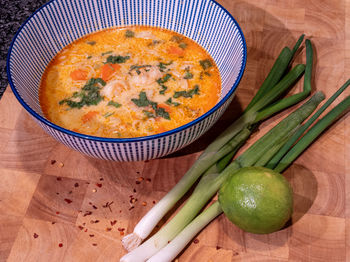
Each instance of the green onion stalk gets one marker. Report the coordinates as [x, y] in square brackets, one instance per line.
[210, 183]
[171, 250]
[264, 104]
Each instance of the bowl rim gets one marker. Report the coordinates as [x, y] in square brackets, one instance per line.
[133, 139]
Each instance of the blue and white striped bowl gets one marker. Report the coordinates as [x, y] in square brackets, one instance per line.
[60, 22]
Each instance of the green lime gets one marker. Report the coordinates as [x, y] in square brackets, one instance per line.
[257, 199]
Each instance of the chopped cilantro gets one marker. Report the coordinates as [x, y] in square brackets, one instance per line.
[89, 57]
[163, 66]
[106, 53]
[190, 93]
[91, 42]
[108, 114]
[115, 104]
[154, 42]
[89, 95]
[117, 59]
[176, 38]
[129, 34]
[143, 101]
[138, 67]
[164, 88]
[170, 102]
[183, 45]
[163, 79]
[188, 74]
[205, 64]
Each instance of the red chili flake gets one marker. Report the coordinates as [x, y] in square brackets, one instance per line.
[108, 229]
[95, 207]
[94, 221]
[84, 224]
[87, 213]
[99, 185]
[76, 184]
[60, 245]
[70, 192]
[196, 241]
[53, 162]
[94, 244]
[113, 222]
[53, 223]
[57, 213]
[59, 178]
[134, 190]
[101, 179]
[132, 207]
[90, 203]
[35, 235]
[217, 247]
[120, 211]
[120, 229]
[144, 203]
[85, 230]
[137, 172]
[68, 200]
[138, 182]
[108, 204]
[81, 227]
[153, 202]
[57, 193]
[121, 233]
[148, 180]
[88, 183]
[91, 235]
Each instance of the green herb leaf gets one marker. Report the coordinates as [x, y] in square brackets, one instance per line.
[108, 114]
[176, 38]
[106, 53]
[91, 42]
[113, 103]
[143, 101]
[190, 93]
[170, 102]
[89, 95]
[162, 91]
[117, 59]
[205, 64]
[162, 113]
[148, 114]
[129, 34]
[163, 79]
[163, 66]
[183, 45]
[138, 67]
[188, 75]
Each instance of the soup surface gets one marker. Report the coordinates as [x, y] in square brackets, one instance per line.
[129, 82]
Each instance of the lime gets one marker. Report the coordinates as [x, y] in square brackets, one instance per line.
[257, 199]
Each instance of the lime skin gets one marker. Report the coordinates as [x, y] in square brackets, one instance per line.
[257, 199]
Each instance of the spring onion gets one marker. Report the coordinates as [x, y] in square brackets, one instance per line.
[171, 250]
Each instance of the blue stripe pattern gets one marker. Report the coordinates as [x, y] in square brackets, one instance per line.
[61, 22]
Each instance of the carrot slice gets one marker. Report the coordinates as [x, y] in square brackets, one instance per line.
[79, 74]
[88, 116]
[174, 50]
[107, 70]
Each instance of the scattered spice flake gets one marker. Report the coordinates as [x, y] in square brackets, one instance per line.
[132, 207]
[87, 213]
[108, 204]
[121, 233]
[113, 222]
[138, 182]
[101, 179]
[84, 224]
[53, 223]
[53, 161]
[59, 178]
[57, 193]
[153, 202]
[94, 190]
[137, 172]
[35, 235]
[85, 230]
[91, 235]
[94, 207]
[196, 241]
[217, 247]
[61, 164]
[121, 229]
[108, 229]
[94, 221]
[133, 200]
[76, 184]
[90, 203]
[99, 185]
[68, 200]
[134, 190]
[94, 244]
[144, 203]
[81, 227]
[140, 179]
[148, 180]
[60, 245]
[57, 213]
[70, 192]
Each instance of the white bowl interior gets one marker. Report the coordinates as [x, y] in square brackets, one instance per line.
[59, 23]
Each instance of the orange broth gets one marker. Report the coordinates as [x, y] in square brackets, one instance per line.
[129, 82]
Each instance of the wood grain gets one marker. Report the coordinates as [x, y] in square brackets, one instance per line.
[86, 205]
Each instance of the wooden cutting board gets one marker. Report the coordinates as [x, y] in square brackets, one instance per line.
[39, 176]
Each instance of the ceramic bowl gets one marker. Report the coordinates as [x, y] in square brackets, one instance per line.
[60, 22]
